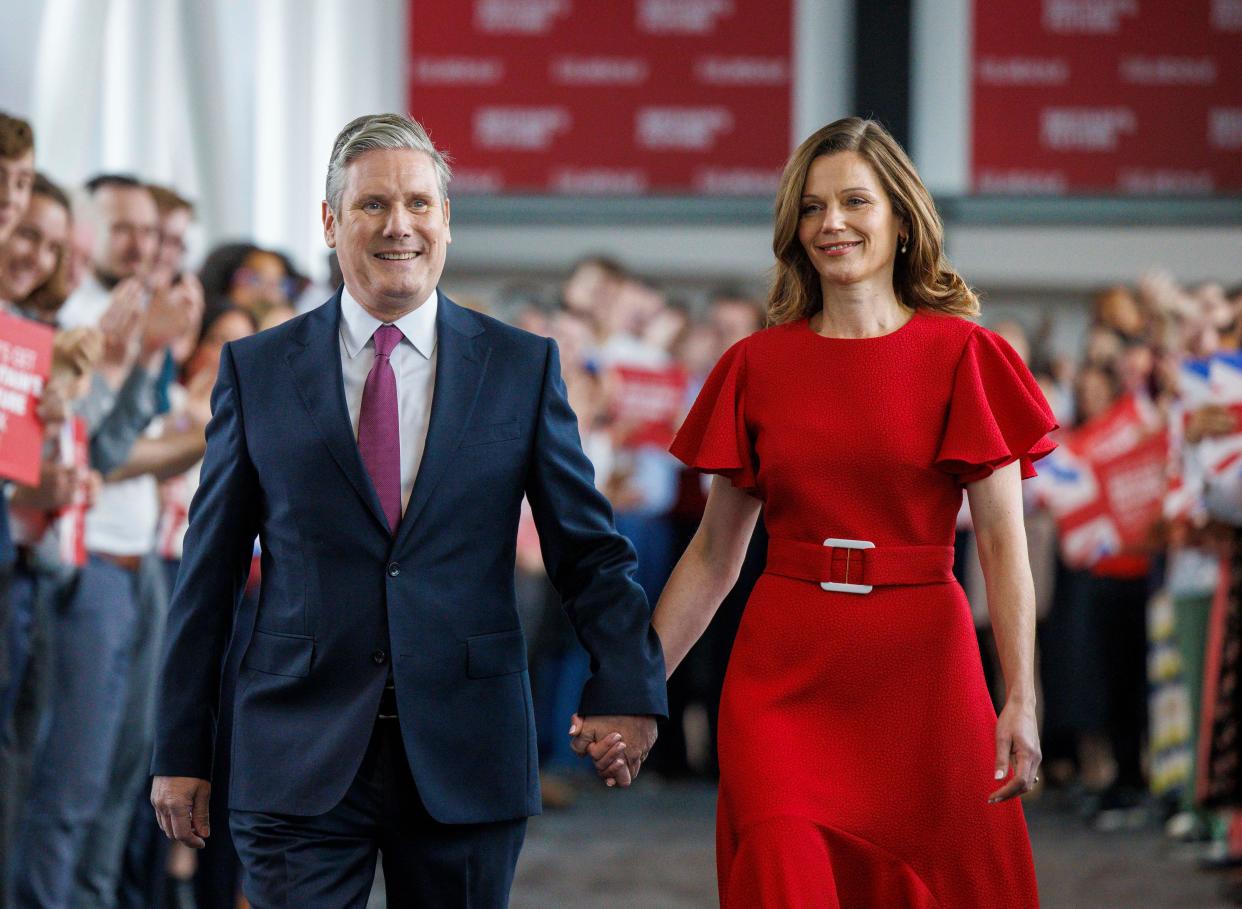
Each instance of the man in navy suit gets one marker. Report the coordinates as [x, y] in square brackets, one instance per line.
[379, 447]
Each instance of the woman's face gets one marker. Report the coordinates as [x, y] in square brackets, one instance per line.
[34, 250]
[1095, 393]
[260, 283]
[847, 224]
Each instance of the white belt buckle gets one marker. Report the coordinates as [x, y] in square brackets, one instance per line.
[847, 544]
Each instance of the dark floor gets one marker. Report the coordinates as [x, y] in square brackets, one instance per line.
[651, 847]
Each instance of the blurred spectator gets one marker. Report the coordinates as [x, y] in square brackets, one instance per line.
[734, 315]
[82, 242]
[176, 213]
[32, 261]
[592, 285]
[245, 275]
[17, 170]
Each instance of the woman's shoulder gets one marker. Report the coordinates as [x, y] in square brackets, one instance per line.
[948, 326]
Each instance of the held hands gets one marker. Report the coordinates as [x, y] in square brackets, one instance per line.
[617, 745]
[1017, 748]
[181, 808]
[57, 483]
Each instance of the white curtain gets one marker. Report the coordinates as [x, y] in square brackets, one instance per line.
[233, 103]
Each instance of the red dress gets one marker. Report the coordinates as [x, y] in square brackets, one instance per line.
[856, 732]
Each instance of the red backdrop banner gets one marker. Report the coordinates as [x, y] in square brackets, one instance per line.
[1132, 97]
[583, 97]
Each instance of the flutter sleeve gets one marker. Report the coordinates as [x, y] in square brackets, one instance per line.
[714, 437]
[997, 413]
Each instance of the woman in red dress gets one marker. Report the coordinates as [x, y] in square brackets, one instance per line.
[861, 761]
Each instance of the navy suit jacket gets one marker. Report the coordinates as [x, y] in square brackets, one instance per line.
[341, 597]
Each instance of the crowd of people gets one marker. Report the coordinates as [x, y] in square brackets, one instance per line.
[1140, 641]
[88, 554]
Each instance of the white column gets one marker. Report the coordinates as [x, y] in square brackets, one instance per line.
[823, 65]
[940, 110]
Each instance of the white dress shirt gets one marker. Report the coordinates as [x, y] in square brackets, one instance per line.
[414, 363]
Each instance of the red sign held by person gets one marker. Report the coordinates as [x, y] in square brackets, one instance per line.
[1107, 483]
[648, 404]
[25, 364]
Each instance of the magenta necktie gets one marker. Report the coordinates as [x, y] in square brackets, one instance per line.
[379, 430]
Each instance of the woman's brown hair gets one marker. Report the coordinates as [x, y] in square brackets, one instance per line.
[922, 276]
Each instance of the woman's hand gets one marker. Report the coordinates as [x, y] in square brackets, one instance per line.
[1017, 749]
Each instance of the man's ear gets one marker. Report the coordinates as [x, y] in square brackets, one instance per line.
[329, 226]
[448, 211]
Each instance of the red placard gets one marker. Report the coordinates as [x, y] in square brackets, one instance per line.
[647, 404]
[581, 97]
[1107, 96]
[1107, 483]
[25, 363]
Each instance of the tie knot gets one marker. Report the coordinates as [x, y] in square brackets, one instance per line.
[386, 337]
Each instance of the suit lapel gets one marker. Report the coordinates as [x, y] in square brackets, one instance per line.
[316, 364]
[461, 361]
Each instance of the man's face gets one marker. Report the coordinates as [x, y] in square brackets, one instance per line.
[173, 228]
[128, 237]
[392, 231]
[16, 180]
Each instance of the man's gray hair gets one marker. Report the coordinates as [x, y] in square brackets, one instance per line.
[386, 131]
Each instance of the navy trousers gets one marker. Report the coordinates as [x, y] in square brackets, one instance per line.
[329, 860]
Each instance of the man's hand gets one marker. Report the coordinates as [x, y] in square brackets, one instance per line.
[617, 745]
[168, 317]
[181, 807]
[121, 322]
[121, 325]
[76, 352]
[55, 490]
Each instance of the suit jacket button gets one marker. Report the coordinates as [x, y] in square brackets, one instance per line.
[379, 658]
[393, 569]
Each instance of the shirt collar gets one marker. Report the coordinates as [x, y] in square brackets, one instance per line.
[418, 326]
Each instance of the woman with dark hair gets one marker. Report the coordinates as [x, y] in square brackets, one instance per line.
[861, 760]
[251, 277]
